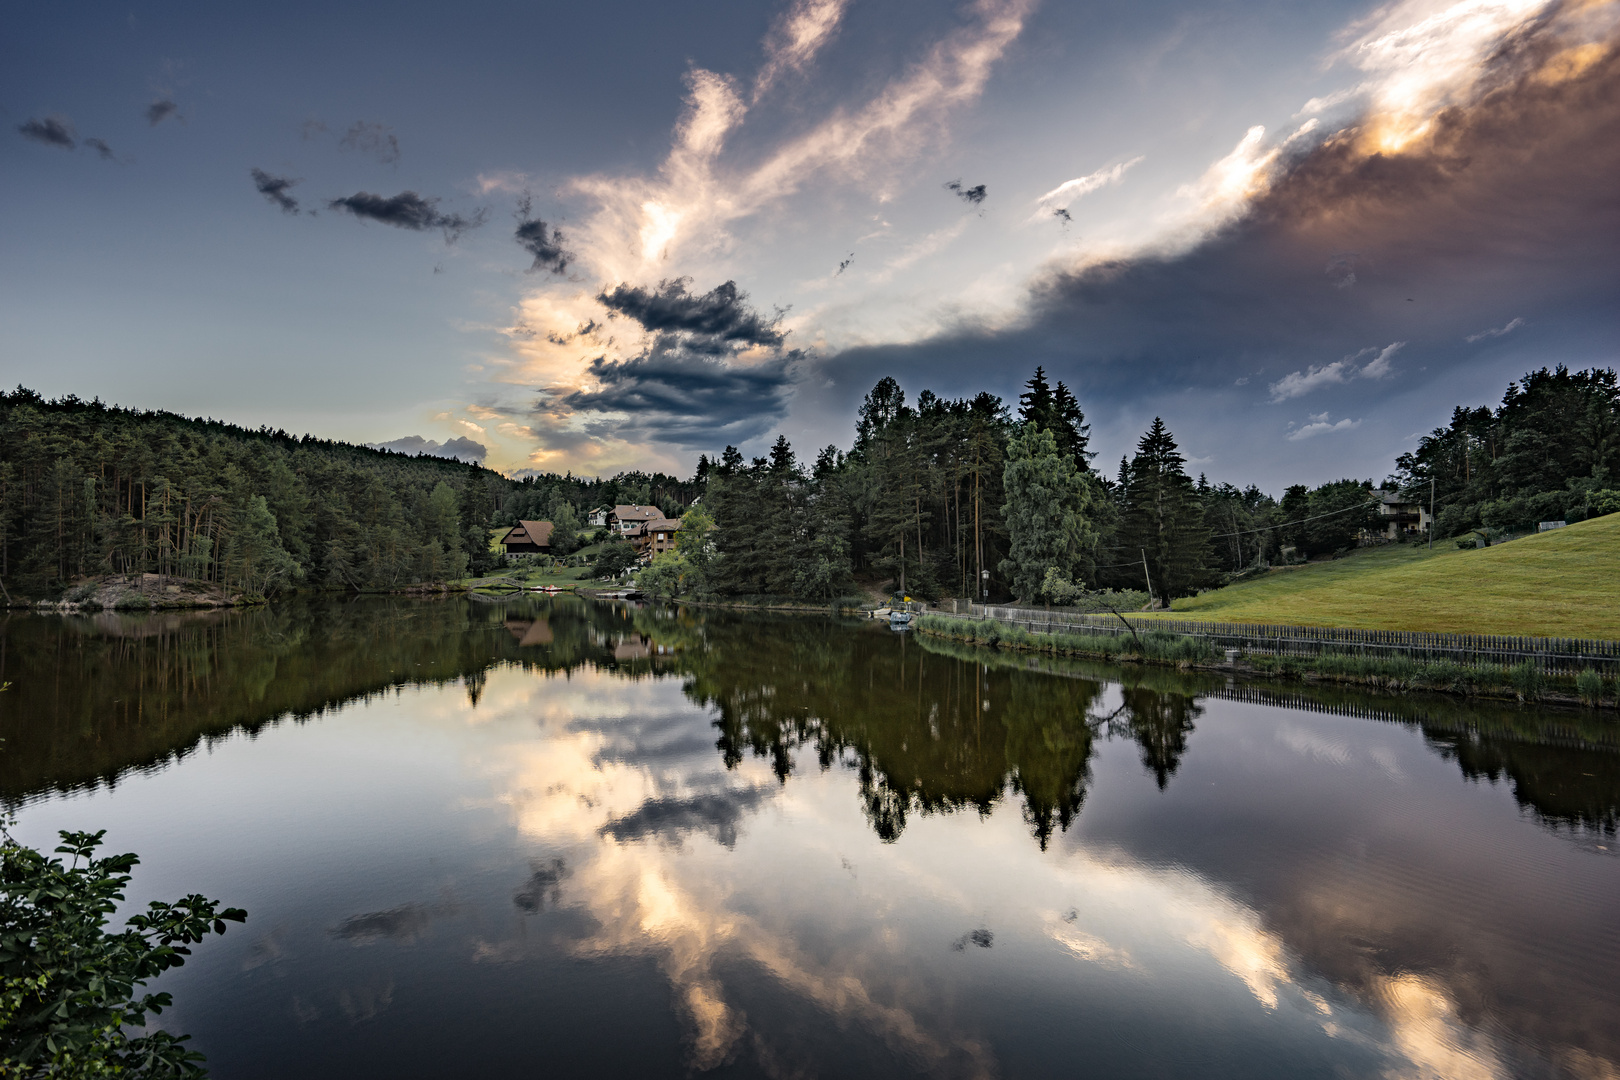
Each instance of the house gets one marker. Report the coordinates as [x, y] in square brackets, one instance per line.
[1400, 514]
[528, 538]
[598, 518]
[655, 538]
[628, 521]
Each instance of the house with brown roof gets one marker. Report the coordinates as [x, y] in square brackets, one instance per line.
[528, 538]
[629, 520]
[656, 537]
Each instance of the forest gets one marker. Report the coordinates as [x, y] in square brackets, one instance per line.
[88, 489]
[966, 497]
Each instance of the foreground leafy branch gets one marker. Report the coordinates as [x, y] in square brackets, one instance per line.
[71, 994]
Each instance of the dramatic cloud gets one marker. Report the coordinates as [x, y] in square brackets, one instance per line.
[407, 210]
[275, 189]
[101, 148]
[1499, 331]
[544, 242]
[460, 449]
[52, 131]
[692, 402]
[1060, 198]
[160, 110]
[973, 196]
[1300, 383]
[1504, 199]
[372, 139]
[720, 318]
[1321, 425]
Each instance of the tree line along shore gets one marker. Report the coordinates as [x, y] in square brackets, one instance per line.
[936, 497]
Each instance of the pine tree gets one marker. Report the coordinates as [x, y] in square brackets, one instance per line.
[1037, 405]
[1163, 521]
[1049, 512]
[1070, 427]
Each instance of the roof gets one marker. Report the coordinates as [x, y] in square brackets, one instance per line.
[663, 525]
[637, 513]
[537, 533]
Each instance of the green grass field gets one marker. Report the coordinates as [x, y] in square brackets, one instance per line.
[1564, 583]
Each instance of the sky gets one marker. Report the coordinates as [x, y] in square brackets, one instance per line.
[598, 237]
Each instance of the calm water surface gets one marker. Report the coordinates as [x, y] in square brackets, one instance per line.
[557, 838]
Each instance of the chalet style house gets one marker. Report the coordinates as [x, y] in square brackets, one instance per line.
[1401, 516]
[528, 538]
[627, 521]
[644, 527]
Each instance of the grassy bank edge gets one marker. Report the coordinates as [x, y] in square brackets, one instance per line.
[1520, 682]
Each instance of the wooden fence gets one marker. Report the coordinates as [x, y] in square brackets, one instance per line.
[1553, 656]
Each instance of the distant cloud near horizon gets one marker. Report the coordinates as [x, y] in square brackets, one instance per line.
[1299, 383]
[459, 449]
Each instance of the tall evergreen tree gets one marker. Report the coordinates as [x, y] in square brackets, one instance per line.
[1070, 428]
[1037, 404]
[1049, 510]
[1163, 522]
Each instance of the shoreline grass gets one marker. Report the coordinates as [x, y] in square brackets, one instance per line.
[1521, 682]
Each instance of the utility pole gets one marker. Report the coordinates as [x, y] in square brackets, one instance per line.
[1146, 574]
[1431, 512]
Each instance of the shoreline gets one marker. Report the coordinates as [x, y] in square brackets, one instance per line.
[1492, 682]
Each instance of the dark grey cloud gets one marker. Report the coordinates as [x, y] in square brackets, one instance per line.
[101, 148]
[369, 138]
[973, 196]
[275, 189]
[717, 814]
[407, 210]
[1063, 216]
[1510, 208]
[460, 449]
[720, 317]
[52, 131]
[690, 401]
[544, 242]
[160, 110]
[689, 387]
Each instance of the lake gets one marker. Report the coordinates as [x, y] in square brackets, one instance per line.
[566, 838]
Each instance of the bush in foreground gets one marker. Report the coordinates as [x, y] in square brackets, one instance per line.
[69, 986]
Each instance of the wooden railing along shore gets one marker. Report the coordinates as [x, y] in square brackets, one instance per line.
[1553, 656]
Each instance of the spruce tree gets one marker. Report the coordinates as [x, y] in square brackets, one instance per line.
[1163, 521]
[1049, 513]
[1037, 405]
[1070, 427]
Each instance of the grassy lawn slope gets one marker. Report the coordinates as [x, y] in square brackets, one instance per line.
[1564, 583]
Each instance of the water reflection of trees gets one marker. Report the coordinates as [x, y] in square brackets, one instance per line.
[95, 696]
[928, 726]
[926, 731]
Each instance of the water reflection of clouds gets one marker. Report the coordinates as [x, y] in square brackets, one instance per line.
[603, 787]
